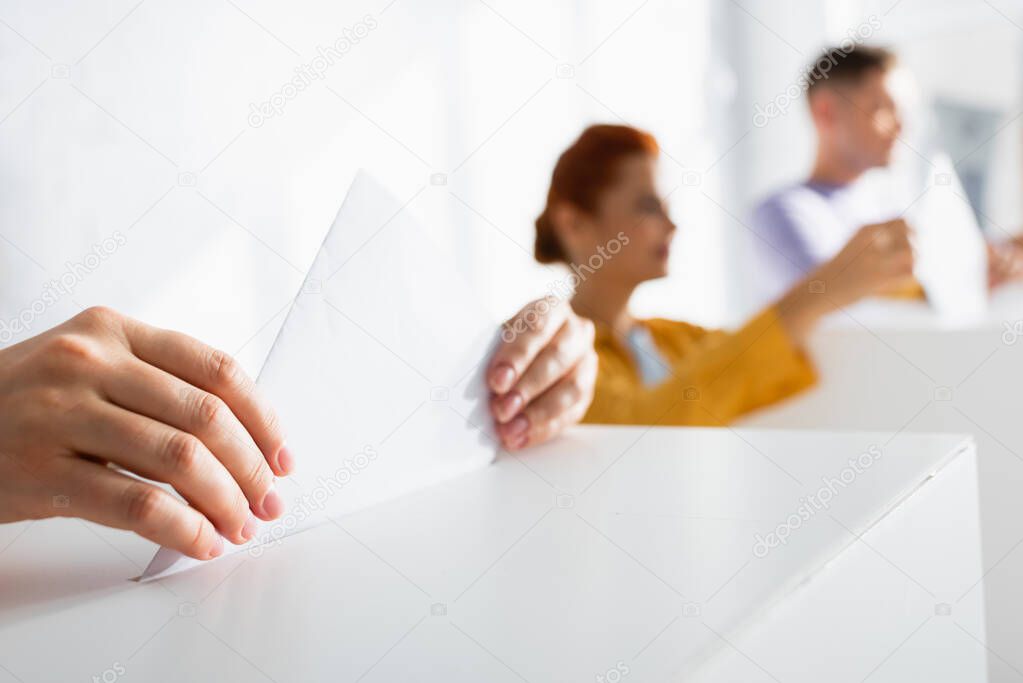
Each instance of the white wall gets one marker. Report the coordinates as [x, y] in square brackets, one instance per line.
[134, 118]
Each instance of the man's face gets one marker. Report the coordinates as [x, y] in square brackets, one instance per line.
[863, 120]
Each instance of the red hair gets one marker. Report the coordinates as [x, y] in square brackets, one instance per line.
[583, 172]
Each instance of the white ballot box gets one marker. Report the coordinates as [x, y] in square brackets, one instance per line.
[614, 553]
[880, 372]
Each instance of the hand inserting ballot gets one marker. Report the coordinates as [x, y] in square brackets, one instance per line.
[542, 374]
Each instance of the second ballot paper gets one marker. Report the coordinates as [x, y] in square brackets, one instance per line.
[377, 374]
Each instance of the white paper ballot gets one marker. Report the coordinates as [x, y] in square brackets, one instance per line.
[377, 373]
[951, 254]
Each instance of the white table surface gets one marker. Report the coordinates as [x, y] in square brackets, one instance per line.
[615, 547]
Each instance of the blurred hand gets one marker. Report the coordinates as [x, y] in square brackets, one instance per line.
[878, 258]
[105, 389]
[543, 373]
[1005, 263]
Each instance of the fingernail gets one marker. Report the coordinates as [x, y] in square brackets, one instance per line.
[520, 442]
[249, 530]
[502, 377]
[285, 460]
[218, 548]
[511, 404]
[516, 428]
[272, 505]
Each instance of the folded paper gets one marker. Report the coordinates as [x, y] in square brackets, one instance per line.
[377, 373]
[951, 254]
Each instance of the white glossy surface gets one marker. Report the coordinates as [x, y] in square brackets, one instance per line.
[903, 603]
[892, 366]
[596, 551]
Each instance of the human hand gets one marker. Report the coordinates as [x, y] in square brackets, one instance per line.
[102, 389]
[876, 259]
[1005, 263]
[542, 374]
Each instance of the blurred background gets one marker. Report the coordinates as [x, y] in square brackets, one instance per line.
[173, 130]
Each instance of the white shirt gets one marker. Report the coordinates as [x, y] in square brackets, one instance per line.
[804, 225]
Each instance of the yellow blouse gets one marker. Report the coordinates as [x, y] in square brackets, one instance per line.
[714, 376]
[910, 289]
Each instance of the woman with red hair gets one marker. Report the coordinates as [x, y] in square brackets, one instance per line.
[605, 220]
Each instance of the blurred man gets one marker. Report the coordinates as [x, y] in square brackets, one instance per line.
[858, 123]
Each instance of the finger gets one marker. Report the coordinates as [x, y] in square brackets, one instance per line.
[113, 499]
[560, 355]
[159, 452]
[149, 391]
[893, 244]
[901, 236]
[1003, 262]
[901, 244]
[522, 338]
[882, 239]
[562, 405]
[898, 225]
[218, 373]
